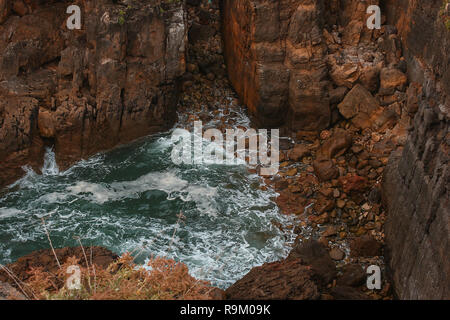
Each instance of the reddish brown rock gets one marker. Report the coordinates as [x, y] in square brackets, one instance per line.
[352, 17]
[281, 280]
[275, 58]
[315, 254]
[391, 80]
[5, 7]
[335, 146]
[365, 246]
[291, 203]
[325, 170]
[298, 152]
[354, 183]
[353, 275]
[337, 254]
[19, 7]
[347, 293]
[358, 105]
[8, 292]
[344, 75]
[370, 78]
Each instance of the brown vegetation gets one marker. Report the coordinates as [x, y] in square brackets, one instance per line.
[161, 279]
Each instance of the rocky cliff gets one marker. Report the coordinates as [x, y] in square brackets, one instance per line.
[309, 64]
[415, 185]
[88, 90]
[278, 58]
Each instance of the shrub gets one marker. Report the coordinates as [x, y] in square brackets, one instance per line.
[163, 279]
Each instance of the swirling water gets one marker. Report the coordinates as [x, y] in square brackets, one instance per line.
[129, 199]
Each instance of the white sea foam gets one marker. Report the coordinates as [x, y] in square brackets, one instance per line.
[50, 166]
[9, 212]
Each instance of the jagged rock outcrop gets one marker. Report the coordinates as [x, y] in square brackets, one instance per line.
[87, 90]
[305, 274]
[415, 184]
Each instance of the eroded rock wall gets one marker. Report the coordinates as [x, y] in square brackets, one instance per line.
[87, 90]
[276, 53]
[275, 58]
[416, 180]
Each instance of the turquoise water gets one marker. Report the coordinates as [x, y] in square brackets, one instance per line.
[128, 199]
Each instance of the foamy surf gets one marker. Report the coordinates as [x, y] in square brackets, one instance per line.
[128, 199]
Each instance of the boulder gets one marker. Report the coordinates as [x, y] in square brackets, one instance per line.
[370, 78]
[345, 75]
[337, 254]
[8, 292]
[314, 254]
[347, 293]
[358, 106]
[353, 276]
[335, 146]
[325, 170]
[280, 280]
[352, 183]
[20, 8]
[392, 79]
[298, 152]
[365, 246]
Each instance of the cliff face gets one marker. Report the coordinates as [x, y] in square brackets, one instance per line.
[415, 185]
[275, 58]
[276, 54]
[86, 90]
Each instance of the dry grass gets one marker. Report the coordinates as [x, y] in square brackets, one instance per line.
[163, 279]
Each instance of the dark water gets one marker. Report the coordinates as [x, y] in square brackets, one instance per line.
[128, 200]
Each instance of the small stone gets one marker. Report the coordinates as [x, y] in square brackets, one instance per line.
[337, 254]
[340, 203]
[336, 193]
[291, 172]
[284, 164]
[298, 152]
[330, 231]
[192, 68]
[325, 134]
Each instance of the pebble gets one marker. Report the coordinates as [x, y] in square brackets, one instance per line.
[337, 254]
